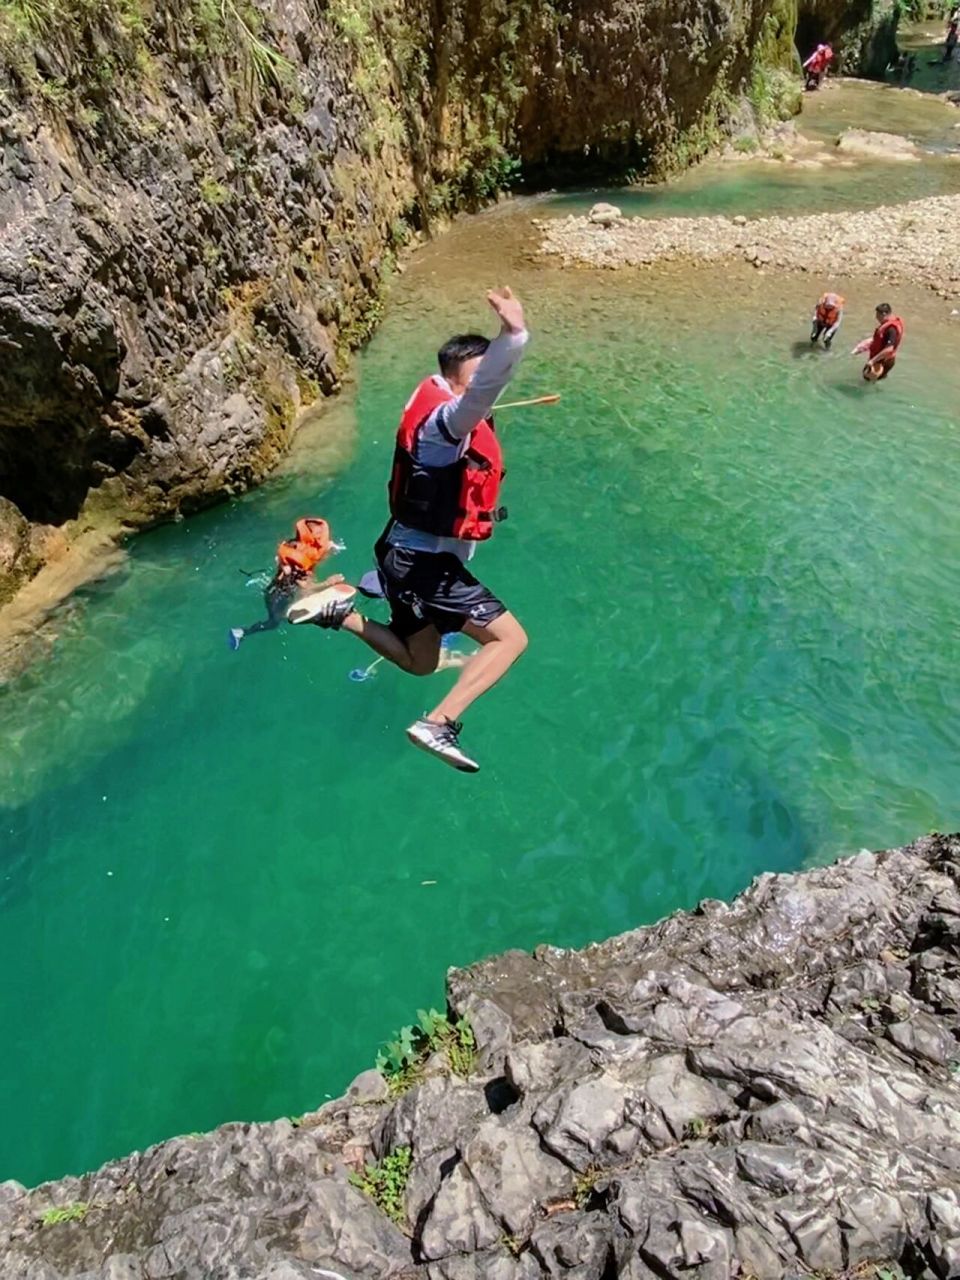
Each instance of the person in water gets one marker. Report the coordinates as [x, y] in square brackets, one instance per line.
[827, 318]
[444, 494]
[881, 350]
[950, 45]
[296, 561]
[817, 65]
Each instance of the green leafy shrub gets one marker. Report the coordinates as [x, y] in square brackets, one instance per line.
[386, 1183]
[64, 1213]
[401, 1060]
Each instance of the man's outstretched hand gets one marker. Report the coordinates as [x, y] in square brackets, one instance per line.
[508, 309]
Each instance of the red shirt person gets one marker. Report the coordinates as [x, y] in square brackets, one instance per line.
[881, 349]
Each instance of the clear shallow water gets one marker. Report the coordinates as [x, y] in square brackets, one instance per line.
[767, 187]
[739, 571]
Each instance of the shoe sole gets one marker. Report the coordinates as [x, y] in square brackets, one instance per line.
[307, 607]
[452, 764]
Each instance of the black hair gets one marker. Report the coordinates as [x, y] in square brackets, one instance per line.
[464, 346]
[884, 309]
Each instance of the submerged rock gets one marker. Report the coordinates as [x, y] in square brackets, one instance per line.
[764, 1088]
[879, 146]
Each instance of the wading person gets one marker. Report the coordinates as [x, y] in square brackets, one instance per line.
[827, 318]
[817, 65]
[881, 350]
[444, 498]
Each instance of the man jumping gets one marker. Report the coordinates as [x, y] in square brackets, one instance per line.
[444, 490]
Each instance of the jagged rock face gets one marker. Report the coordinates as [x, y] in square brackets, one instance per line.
[187, 250]
[862, 32]
[768, 1088]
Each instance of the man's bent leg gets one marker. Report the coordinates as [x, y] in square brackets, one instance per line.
[502, 641]
[418, 654]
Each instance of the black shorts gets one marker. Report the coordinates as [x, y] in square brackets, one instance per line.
[432, 588]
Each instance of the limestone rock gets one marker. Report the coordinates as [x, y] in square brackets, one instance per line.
[767, 1087]
[604, 215]
[879, 146]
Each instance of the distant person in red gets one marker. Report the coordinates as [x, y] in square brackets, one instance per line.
[881, 350]
[817, 65]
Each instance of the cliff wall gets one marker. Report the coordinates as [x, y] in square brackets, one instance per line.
[769, 1088]
[200, 201]
[862, 32]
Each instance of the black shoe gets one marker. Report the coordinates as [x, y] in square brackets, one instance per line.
[443, 741]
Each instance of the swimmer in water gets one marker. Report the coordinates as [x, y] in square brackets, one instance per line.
[296, 561]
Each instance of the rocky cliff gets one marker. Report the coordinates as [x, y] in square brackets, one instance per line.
[200, 200]
[767, 1088]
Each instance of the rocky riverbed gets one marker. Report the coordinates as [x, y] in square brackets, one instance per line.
[918, 242]
[767, 1088]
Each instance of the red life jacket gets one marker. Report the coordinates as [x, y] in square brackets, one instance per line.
[457, 501]
[877, 343]
[828, 313]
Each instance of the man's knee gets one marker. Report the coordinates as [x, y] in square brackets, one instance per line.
[516, 637]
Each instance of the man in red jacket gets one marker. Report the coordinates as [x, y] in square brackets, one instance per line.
[881, 350]
[443, 491]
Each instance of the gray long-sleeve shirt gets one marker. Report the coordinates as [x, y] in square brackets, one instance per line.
[444, 437]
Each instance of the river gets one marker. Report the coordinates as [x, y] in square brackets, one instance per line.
[226, 877]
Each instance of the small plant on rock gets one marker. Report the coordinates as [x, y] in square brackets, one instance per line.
[584, 1186]
[698, 1127]
[401, 1060]
[64, 1213]
[386, 1183]
[212, 191]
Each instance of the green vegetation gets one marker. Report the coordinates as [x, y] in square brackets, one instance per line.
[698, 1127]
[212, 191]
[386, 1183]
[65, 1213]
[584, 1186]
[94, 44]
[402, 1059]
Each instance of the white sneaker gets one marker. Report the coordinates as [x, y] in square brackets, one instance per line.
[327, 608]
[443, 741]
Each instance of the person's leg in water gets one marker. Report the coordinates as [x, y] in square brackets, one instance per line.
[278, 597]
[816, 331]
[831, 333]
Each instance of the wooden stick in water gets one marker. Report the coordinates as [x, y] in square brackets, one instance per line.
[524, 404]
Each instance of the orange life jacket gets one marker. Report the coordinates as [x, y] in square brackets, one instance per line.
[310, 545]
[877, 343]
[828, 313]
[456, 501]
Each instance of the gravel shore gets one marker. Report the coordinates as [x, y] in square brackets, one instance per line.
[917, 242]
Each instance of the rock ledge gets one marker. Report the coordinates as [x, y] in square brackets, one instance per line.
[767, 1088]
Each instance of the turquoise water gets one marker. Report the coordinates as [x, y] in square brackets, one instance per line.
[226, 877]
[772, 188]
[764, 186]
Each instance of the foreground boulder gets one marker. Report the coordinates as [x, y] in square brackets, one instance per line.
[767, 1088]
